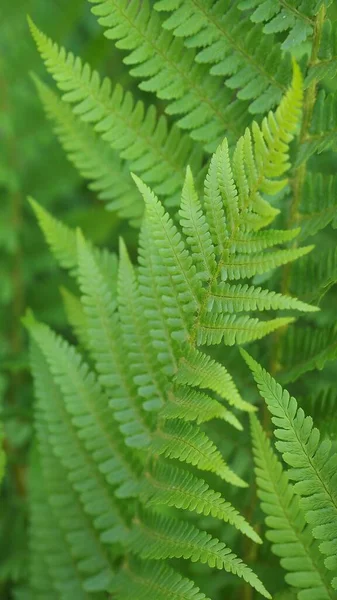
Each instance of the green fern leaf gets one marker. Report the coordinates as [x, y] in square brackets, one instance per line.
[313, 465]
[168, 485]
[144, 364]
[287, 530]
[233, 47]
[53, 572]
[156, 537]
[319, 267]
[318, 204]
[76, 316]
[187, 443]
[195, 228]
[306, 349]
[236, 298]
[297, 17]
[169, 70]
[140, 138]
[150, 579]
[85, 402]
[231, 330]
[190, 405]
[106, 345]
[93, 157]
[199, 369]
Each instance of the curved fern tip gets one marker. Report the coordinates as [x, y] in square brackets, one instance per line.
[123, 252]
[80, 237]
[28, 319]
[34, 204]
[249, 360]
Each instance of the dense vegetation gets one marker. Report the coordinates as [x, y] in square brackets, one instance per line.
[180, 163]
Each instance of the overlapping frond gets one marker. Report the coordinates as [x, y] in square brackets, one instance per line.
[150, 579]
[71, 532]
[296, 17]
[140, 137]
[160, 537]
[321, 268]
[62, 241]
[321, 404]
[322, 133]
[168, 68]
[318, 206]
[93, 157]
[169, 485]
[313, 464]
[291, 538]
[235, 48]
[52, 570]
[305, 349]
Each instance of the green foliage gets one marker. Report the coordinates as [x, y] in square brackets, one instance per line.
[291, 539]
[312, 461]
[139, 482]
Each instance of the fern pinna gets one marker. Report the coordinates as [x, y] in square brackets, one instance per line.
[127, 429]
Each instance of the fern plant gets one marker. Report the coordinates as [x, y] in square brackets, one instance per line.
[140, 478]
[138, 414]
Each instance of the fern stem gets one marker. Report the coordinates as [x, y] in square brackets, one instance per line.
[308, 107]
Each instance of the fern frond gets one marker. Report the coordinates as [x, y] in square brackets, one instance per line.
[168, 69]
[313, 465]
[157, 537]
[199, 369]
[296, 17]
[287, 530]
[140, 138]
[76, 316]
[52, 572]
[72, 535]
[62, 241]
[150, 579]
[241, 266]
[60, 238]
[169, 485]
[83, 475]
[305, 349]
[230, 330]
[319, 203]
[162, 321]
[196, 228]
[256, 241]
[93, 157]
[171, 247]
[234, 47]
[225, 297]
[144, 364]
[322, 406]
[319, 267]
[190, 405]
[187, 443]
[106, 345]
[86, 403]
